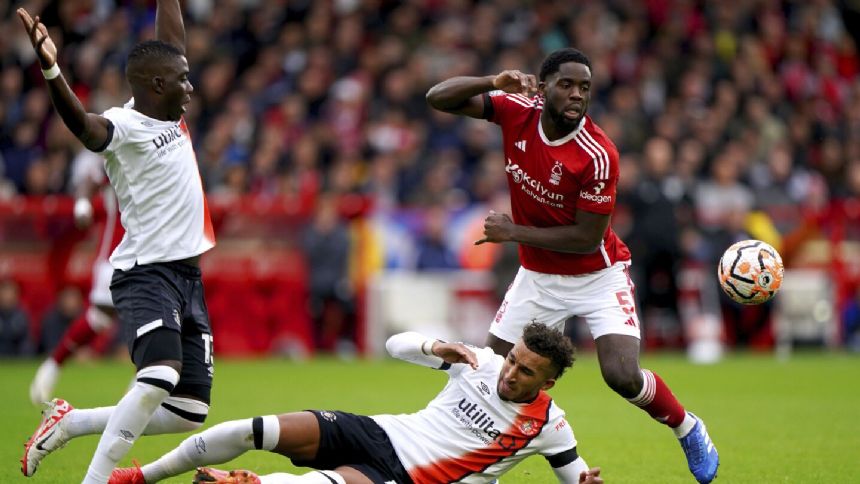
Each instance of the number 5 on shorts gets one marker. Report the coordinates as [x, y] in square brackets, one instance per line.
[625, 303]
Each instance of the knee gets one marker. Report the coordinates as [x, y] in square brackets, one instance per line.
[189, 414]
[164, 377]
[625, 380]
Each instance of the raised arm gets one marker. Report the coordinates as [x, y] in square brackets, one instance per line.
[91, 129]
[169, 26]
[581, 238]
[463, 95]
[419, 349]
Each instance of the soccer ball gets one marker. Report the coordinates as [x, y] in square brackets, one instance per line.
[750, 272]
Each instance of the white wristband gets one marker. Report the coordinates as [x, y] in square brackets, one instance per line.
[83, 208]
[52, 72]
[424, 345]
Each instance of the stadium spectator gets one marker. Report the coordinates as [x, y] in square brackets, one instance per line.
[656, 218]
[15, 338]
[68, 307]
[493, 413]
[433, 252]
[156, 285]
[563, 173]
[326, 245]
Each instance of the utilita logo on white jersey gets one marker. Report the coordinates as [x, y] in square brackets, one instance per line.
[533, 187]
[482, 425]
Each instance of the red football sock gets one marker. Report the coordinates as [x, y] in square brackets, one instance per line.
[656, 399]
[78, 334]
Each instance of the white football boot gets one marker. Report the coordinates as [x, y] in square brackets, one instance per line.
[48, 437]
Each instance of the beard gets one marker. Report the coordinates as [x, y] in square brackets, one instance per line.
[563, 123]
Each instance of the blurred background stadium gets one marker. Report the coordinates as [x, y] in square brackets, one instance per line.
[345, 209]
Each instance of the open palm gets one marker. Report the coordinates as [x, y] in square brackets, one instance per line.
[42, 43]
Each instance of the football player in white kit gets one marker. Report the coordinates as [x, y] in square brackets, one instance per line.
[88, 178]
[156, 285]
[493, 413]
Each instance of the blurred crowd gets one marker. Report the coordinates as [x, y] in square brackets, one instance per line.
[734, 119]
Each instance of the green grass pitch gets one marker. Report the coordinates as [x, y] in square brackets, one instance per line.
[773, 422]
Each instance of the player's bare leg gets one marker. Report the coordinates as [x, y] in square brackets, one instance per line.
[498, 345]
[207, 475]
[619, 363]
[341, 475]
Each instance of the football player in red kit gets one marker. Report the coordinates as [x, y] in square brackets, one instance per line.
[562, 173]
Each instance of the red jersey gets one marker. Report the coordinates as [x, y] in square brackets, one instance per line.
[88, 167]
[113, 231]
[550, 181]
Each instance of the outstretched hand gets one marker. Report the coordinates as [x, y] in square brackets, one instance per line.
[591, 476]
[516, 82]
[497, 228]
[42, 43]
[455, 353]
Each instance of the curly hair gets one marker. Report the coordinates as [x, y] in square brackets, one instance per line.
[552, 62]
[551, 344]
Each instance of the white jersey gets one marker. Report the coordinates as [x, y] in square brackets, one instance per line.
[152, 167]
[469, 434]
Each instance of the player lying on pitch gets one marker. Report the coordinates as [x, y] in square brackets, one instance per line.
[493, 413]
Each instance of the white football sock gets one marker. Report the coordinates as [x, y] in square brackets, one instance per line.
[129, 418]
[86, 421]
[215, 445]
[165, 421]
[316, 477]
[685, 427]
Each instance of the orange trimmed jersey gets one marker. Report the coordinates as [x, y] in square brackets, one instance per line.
[469, 434]
[153, 169]
[550, 181]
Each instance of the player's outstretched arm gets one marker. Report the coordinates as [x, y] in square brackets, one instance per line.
[462, 95]
[578, 472]
[417, 348]
[169, 26]
[91, 129]
[583, 237]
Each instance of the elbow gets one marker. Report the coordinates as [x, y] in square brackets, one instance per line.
[432, 98]
[391, 346]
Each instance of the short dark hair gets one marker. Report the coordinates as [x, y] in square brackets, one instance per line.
[148, 51]
[551, 344]
[552, 62]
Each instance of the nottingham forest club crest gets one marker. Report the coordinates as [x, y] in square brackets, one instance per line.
[555, 176]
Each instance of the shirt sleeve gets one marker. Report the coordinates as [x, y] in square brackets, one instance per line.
[599, 182]
[414, 348]
[501, 107]
[557, 442]
[117, 128]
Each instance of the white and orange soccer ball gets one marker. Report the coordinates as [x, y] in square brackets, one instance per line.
[750, 272]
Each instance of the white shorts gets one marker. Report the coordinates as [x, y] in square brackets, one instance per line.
[604, 299]
[100, 292]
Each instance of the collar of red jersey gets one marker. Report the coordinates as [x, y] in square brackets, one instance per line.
[561, 140]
